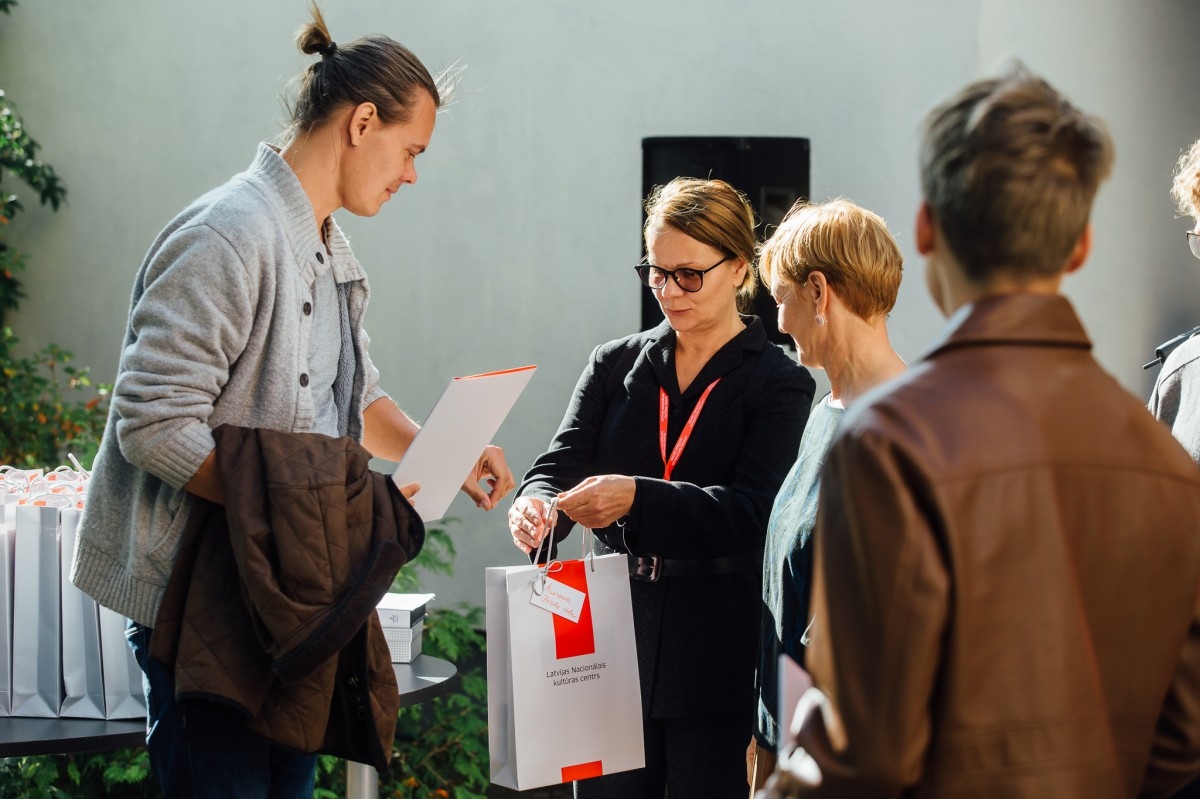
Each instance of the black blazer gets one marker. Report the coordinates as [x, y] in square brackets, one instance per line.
[697, 637]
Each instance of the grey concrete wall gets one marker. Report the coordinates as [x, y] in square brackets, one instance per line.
[1133, 64]
[514, 247]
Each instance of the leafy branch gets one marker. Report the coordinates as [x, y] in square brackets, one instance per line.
[18, 155]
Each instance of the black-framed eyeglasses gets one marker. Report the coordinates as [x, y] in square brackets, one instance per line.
[691, 280]
[1194, 242]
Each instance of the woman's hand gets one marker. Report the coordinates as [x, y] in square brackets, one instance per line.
[759, 764]
[599, 501]
[528, 524]
[492, 468]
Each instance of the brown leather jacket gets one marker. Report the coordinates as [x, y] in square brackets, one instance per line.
[270, 609]
[1008, 557]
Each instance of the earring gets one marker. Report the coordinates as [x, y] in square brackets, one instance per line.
[820, 320]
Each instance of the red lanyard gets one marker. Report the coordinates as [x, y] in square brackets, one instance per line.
[664, 405]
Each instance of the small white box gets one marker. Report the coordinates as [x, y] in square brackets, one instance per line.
[404, 642]
[402, 610]
[403, 619]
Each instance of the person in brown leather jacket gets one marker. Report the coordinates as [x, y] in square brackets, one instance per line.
[1008, 544]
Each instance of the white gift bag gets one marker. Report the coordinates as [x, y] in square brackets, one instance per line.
[36, 673]
[82, 673]
[124, 697]
[564, 699]
[8, 538]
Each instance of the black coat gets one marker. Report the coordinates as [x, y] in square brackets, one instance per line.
[697, 637]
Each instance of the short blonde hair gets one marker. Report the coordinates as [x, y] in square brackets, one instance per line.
[1186, 187]
[848, 244]
[713, 213]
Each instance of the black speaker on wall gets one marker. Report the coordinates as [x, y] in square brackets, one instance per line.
[772, 171]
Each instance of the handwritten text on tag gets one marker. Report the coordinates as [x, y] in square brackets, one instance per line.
[560, 599]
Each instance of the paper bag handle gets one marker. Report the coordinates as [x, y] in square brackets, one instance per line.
[587, 554]
[539, 579]
[589, 548]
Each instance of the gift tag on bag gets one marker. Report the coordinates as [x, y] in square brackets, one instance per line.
[558, 598]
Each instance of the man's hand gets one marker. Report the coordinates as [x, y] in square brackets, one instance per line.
[492, 469]
[528, 523]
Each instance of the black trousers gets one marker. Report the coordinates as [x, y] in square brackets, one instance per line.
[199, 754]
[689, 758]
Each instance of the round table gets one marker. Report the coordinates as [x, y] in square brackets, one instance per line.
[20, 737]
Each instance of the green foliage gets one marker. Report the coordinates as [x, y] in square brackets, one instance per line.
[441, 746]
[45, 408]
[436, 557]
[18, 156]
[11, 262]
[331, 778]
[121, 774]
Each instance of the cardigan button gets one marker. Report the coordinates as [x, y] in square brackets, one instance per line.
[304, 381]
[307, 308]
[320, 258]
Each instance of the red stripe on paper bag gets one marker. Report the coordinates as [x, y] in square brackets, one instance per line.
[581, 771]
[574, 638]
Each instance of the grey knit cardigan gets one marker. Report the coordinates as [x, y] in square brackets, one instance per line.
[218, 332]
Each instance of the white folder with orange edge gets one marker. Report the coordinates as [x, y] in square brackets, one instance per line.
[453, 436]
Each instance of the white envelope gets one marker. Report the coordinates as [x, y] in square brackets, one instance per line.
[453, 436]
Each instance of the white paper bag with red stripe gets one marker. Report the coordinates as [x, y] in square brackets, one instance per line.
[564, 699]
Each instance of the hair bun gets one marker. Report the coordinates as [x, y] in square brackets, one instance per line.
[313, 37]
[369, 69]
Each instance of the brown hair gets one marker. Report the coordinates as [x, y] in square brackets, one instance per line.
[371, 69]
[714, 213]
[1186, 186]
[1010, 170]
[848, 244]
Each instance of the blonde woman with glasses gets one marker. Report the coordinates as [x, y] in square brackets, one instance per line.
[672, 449]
